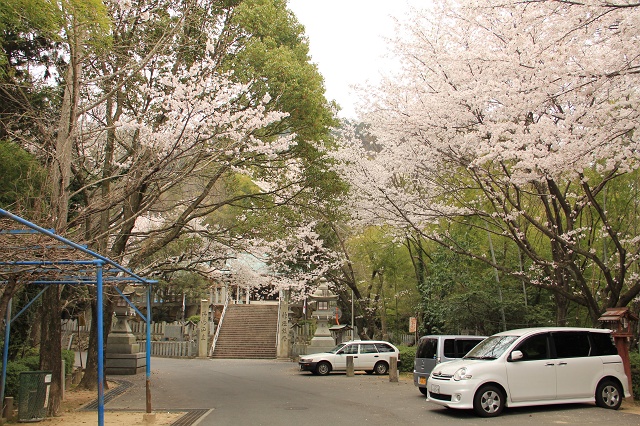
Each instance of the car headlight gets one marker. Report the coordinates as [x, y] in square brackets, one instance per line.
[462, 374]
[304, 360]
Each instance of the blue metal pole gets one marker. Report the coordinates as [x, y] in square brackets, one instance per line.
[130, 303]
[5, 353]
[148, 354]
[100, 345]
[69, 242]
[29, 304]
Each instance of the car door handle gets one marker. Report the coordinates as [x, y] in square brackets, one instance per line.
[562, 363]
[550, 364]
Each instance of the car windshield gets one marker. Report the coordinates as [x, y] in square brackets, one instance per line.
[491, 347]
[337, 348]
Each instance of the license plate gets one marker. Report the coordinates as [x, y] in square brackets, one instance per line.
[422, 380]
[435, 388]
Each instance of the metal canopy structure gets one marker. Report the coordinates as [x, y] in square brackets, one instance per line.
[35, 255]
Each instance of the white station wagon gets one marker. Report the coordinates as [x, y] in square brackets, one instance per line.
[535, 366]
[372, 356]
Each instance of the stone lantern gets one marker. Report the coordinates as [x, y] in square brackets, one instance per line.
[323, 299]
[122, 355]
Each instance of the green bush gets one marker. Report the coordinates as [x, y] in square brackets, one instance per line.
[407, 355]
[635, 372]
[69, 358]
[31, 362]
[14, 368]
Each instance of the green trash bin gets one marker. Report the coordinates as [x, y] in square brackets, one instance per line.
[33, 395]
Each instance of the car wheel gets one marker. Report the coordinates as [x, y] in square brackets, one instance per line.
[368, 371]
[424, 391]
[609, 394]
[488, 401]
[323, 368]
[381, 367]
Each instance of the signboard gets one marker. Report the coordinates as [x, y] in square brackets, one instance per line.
[413, 324]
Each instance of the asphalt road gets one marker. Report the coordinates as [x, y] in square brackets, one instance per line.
[269, 392]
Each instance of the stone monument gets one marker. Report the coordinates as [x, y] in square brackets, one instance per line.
[282, 347]
[203, 329]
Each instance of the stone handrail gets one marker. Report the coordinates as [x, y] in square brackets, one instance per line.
[215, 337]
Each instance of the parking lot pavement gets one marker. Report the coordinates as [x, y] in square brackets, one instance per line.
[269, 392]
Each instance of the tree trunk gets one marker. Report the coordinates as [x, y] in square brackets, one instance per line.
[8, 291]
[90, 379]
[51, 345]
[50, 342]
[562, 309]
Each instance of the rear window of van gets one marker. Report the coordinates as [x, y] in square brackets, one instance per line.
[451, 347]
[603, 344]
[427, 348]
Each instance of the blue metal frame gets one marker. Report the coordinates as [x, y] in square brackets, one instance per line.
[99, 262]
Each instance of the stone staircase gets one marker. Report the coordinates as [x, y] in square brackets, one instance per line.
[248, 331]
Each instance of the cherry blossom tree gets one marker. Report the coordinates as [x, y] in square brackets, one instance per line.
[518, 120]
[160, 128]
[297, 260]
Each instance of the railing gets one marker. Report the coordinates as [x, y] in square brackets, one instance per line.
[159, 330]
[169, 340]
[279, 320]
[215, 337]
[171, 349]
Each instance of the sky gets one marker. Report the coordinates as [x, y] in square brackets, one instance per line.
[346, 41]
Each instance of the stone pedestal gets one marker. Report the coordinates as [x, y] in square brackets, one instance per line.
[322, 340]
[123, 356]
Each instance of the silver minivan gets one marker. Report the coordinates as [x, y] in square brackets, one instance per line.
[435, 349]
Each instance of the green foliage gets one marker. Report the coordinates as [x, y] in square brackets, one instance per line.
[22, 176]
[13, 377]
[28, 16]
[460, 294]
[635, 372]
[407, 356]
[194, 318]
[275, 60]
[31, 362]
[69, 358]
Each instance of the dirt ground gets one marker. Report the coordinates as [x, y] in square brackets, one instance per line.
[76, 399]
[631, 407]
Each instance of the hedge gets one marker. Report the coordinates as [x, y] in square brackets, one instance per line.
[407, 355]
[635, 373]
[31, 362]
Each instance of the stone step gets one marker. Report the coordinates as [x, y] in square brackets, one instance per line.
[248, 331]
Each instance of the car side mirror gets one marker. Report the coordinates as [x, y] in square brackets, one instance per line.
[516, 355]
[340, 352]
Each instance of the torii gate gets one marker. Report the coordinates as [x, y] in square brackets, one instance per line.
[96, 260]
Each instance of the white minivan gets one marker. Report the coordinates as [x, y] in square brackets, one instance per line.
[534, 366]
